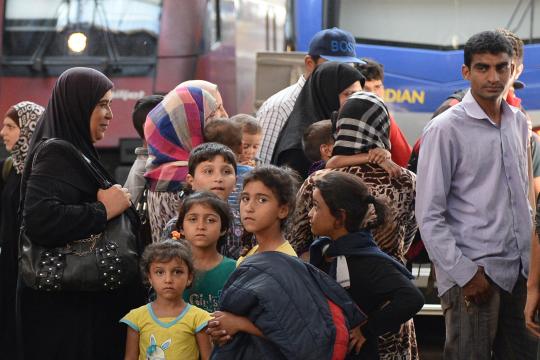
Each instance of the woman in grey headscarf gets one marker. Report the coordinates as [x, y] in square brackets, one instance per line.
[17, 128]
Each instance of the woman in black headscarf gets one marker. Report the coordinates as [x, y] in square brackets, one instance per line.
[324, 92]
[64, 203]
[19, 124]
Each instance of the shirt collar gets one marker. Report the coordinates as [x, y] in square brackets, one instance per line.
[474, 110]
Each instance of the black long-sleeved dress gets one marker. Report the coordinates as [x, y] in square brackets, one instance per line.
[385, 295]
[9, 231]
[61, 206]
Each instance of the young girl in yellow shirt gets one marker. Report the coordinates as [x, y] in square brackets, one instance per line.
[168, 327]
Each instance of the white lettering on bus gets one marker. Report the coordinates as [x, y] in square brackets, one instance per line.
[125, 94]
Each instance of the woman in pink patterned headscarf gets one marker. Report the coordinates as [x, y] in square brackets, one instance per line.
[213, 90]
[172, 129]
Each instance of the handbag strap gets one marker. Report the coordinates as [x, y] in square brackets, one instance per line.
[102, 182]
[28, 166]
[142, 204]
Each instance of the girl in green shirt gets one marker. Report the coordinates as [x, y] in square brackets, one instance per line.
[203, 221]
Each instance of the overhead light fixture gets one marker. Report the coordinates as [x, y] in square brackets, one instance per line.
[77, 42]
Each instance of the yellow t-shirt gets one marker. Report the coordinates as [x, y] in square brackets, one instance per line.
[167, 338]
[285, 248]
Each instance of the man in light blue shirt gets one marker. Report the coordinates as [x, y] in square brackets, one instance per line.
[473, 212]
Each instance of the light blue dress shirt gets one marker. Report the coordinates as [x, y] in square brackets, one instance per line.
[472, 195]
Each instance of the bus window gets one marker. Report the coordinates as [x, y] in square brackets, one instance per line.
[432, 24]
[118, 36]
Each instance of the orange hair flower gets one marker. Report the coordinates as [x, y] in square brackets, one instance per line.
[175, 235]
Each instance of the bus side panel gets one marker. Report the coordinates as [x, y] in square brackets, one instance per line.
[180, 42]
[38, 89]
[172, 71]
[185, 50]
[219, 66]
[182, 24]
[308, 21]
[2, 9]
[127, 90]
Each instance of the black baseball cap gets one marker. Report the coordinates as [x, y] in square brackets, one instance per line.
[519, 84]
[334, 45]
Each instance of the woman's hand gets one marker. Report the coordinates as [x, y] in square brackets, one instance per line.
[356, 339]
[116, 200]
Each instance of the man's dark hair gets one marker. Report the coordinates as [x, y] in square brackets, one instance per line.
[141, 109]
[491, 42]
[315, 58]
[208, 151]
[372, 70]
[226, 132]
[317, 134]
[516, 42]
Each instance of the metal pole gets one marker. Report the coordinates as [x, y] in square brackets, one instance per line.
[267, 33]
[532, 23]
[331, 13]
[274, 32]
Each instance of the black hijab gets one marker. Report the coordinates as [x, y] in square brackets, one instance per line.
[317, 100]
[67, 116]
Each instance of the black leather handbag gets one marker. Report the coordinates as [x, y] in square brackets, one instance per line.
[101, 262]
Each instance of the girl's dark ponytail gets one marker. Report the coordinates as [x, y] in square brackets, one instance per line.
[381, 212]
[343, 191]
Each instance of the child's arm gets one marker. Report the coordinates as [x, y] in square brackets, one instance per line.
[339, 161]
[376, 156]
[132, 344]
[203, 342]
[231, 324]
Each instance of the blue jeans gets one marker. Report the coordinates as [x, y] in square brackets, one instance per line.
[493, 330]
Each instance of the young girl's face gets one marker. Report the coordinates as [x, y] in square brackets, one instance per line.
[215, 175]
[202, 226]
[170, 279]
[321, 220]
[260, 209]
